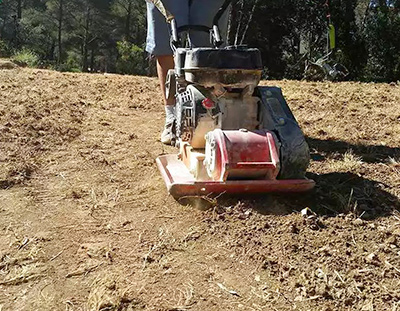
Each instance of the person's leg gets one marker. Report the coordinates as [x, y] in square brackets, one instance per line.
[158, 44]
[165, 63]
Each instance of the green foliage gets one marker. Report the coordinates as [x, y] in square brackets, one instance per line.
[35, 30]
[72, 63]
[108, 35]
[131, 59]
[4, 49]
[382, 44]
[26, 57]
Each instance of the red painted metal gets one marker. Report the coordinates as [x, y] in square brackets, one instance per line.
[208, 103]
[181, 183]
[245, 155]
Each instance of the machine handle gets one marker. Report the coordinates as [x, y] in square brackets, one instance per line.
[215, 28]
[175, 30]
[221, 11]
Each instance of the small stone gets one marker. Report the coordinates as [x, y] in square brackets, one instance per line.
[396, 232]
[372, 258]
[322, 290]
[360, 285]
[384, 248]
[358, 222]
[221, 217]
[7, 65]
[286, 274]
[242, 217]
[392, 240]
[314, 227]
[348, 302]
[43, 236]
[324, 251]
[305, 212]
[293, 229]
[349, 217]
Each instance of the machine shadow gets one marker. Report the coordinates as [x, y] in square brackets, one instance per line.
[369, 153]
[335, 193]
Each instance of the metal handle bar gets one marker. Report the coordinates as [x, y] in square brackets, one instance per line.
[175, 30]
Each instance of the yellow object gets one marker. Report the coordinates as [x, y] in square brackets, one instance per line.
[332, 37]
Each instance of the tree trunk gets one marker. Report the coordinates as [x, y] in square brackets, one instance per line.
[3, 26]
[19, 9]
[60, 24]
[85, 50]
[128, 22]
[17, 20]
[92, 60]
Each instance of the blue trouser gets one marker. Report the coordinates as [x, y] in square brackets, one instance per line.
[201, 12]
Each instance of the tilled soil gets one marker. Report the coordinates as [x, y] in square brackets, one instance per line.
[86, 222]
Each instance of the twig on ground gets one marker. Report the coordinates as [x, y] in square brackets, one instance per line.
[83, 271]
[55, 256]
[355, 285]
[181, 308]
[391, 266]
[340, 277]
[313, 298]
[154, 247]
[396, 216]
[165, 216]
[218, 196]
[25, 242]
[354, 240]
[350, 197]
[232, 292]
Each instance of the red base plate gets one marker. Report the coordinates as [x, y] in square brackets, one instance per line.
[181, 183]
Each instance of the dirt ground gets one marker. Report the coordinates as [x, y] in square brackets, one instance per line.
[86, 222]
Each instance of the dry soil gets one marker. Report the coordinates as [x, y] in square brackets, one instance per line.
[86, 222]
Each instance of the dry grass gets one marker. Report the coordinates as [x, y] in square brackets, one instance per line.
[109, 292]
[23, 264]
[348, 162]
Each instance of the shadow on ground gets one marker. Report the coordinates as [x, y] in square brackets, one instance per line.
[368, 153]
[335, 193]
[346, 192]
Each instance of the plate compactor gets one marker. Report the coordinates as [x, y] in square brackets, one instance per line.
[233, 135]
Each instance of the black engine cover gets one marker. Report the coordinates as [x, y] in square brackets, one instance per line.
[228, 58]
